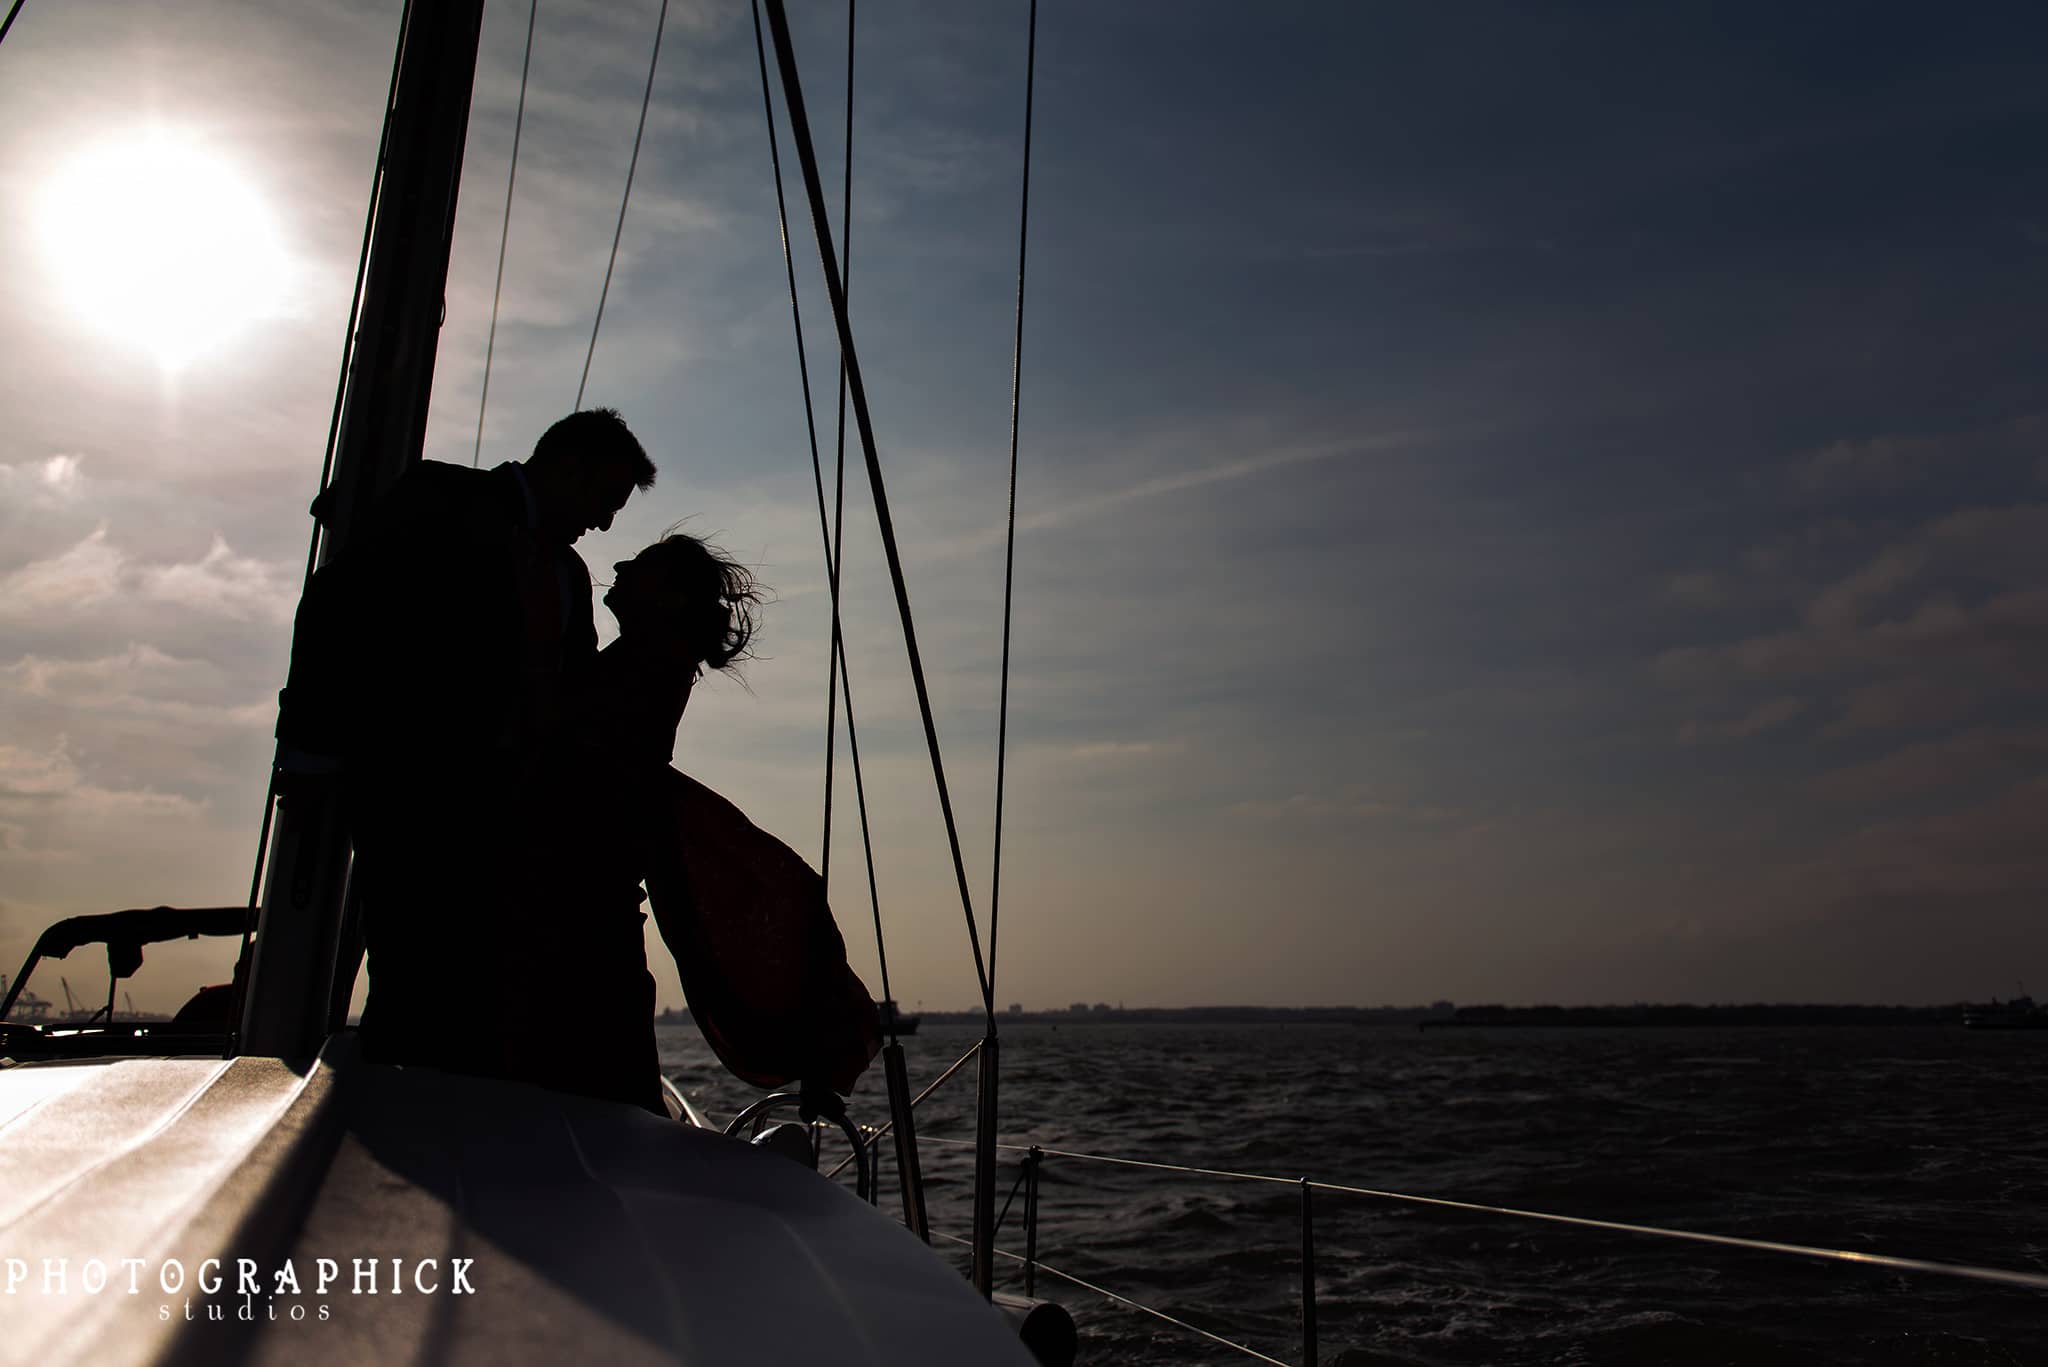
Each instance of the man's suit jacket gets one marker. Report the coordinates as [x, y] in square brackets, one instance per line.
[428, 662]
[430, 655]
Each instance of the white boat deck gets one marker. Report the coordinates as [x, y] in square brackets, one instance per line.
[597, 1232]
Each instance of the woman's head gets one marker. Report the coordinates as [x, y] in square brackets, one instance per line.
[690, 591]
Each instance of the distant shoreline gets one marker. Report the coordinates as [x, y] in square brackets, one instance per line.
[1478, 1017]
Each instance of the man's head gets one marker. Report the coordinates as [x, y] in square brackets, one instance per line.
[582, 471]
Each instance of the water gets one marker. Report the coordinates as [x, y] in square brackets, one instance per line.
[1917, 1142]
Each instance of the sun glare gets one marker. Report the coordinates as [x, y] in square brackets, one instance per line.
[162, 243]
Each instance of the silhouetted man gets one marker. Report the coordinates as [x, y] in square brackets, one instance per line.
[428, 660]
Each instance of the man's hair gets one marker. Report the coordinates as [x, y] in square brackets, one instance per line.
[595, 434]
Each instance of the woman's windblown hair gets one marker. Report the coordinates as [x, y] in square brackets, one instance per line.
[717, 596]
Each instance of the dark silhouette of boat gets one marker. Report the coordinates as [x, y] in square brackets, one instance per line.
[2018, 1014]
[896, 1021]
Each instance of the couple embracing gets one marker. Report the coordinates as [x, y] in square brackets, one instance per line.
[507, 788]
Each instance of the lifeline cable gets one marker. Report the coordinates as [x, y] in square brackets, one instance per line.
[2032, 1280]
[831, 557]
[877, 1132]
[1127, 1301]
[505, 234]
[660, 22]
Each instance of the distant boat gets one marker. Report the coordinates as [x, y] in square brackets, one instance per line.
[894, 1021]
[2018, 1014]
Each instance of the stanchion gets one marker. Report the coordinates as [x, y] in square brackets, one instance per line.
[1308, 1275]
[985, 1170]
[905, 1126]
[1031, 1162]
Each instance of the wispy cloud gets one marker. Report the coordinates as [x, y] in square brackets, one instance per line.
[96, 574]
[1905, 606]
[1697, 588]
[143, 682]
[1261, 459]
[1964, 759]
[53, 812]
[1766, 716]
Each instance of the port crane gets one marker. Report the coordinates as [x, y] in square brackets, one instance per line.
[29, 1007]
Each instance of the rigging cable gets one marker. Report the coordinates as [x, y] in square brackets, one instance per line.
[8, 22]
[835, 539]
[800, 132]
[1010, 546]
[348, 347]
[647, 96]
[831, 558]
[837, 677]
[504, 233]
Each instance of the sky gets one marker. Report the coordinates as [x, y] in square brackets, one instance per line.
[1513, 505]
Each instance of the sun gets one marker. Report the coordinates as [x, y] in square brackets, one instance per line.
[160, 242]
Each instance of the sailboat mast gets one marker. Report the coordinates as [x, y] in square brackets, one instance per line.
[292, 983]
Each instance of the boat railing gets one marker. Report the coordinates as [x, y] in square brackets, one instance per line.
[1034, 1156]
[876, 1133]
[686, 1110]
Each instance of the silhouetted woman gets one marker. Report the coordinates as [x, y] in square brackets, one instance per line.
[587, 1022]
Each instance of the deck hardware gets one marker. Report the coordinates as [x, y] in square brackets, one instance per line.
[743, 1124]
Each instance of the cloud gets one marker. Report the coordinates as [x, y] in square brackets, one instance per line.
[95, 572]
[1972, 585]
[1759, 719]
[1895, 463]
[1260, 456]
[74, 843]
[1699, 589]
[1841, 605]
[42, 791]
[59, 473]
[1346, 804]
[84, 576]
[225, 584]
[29, 774]
[1988, 847]
[40, 499]
[1119, 750]
[1968, 757]
[139, 682]
[2003, 543]
[1902, 703]
[2002, 633]
[1882, 464]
